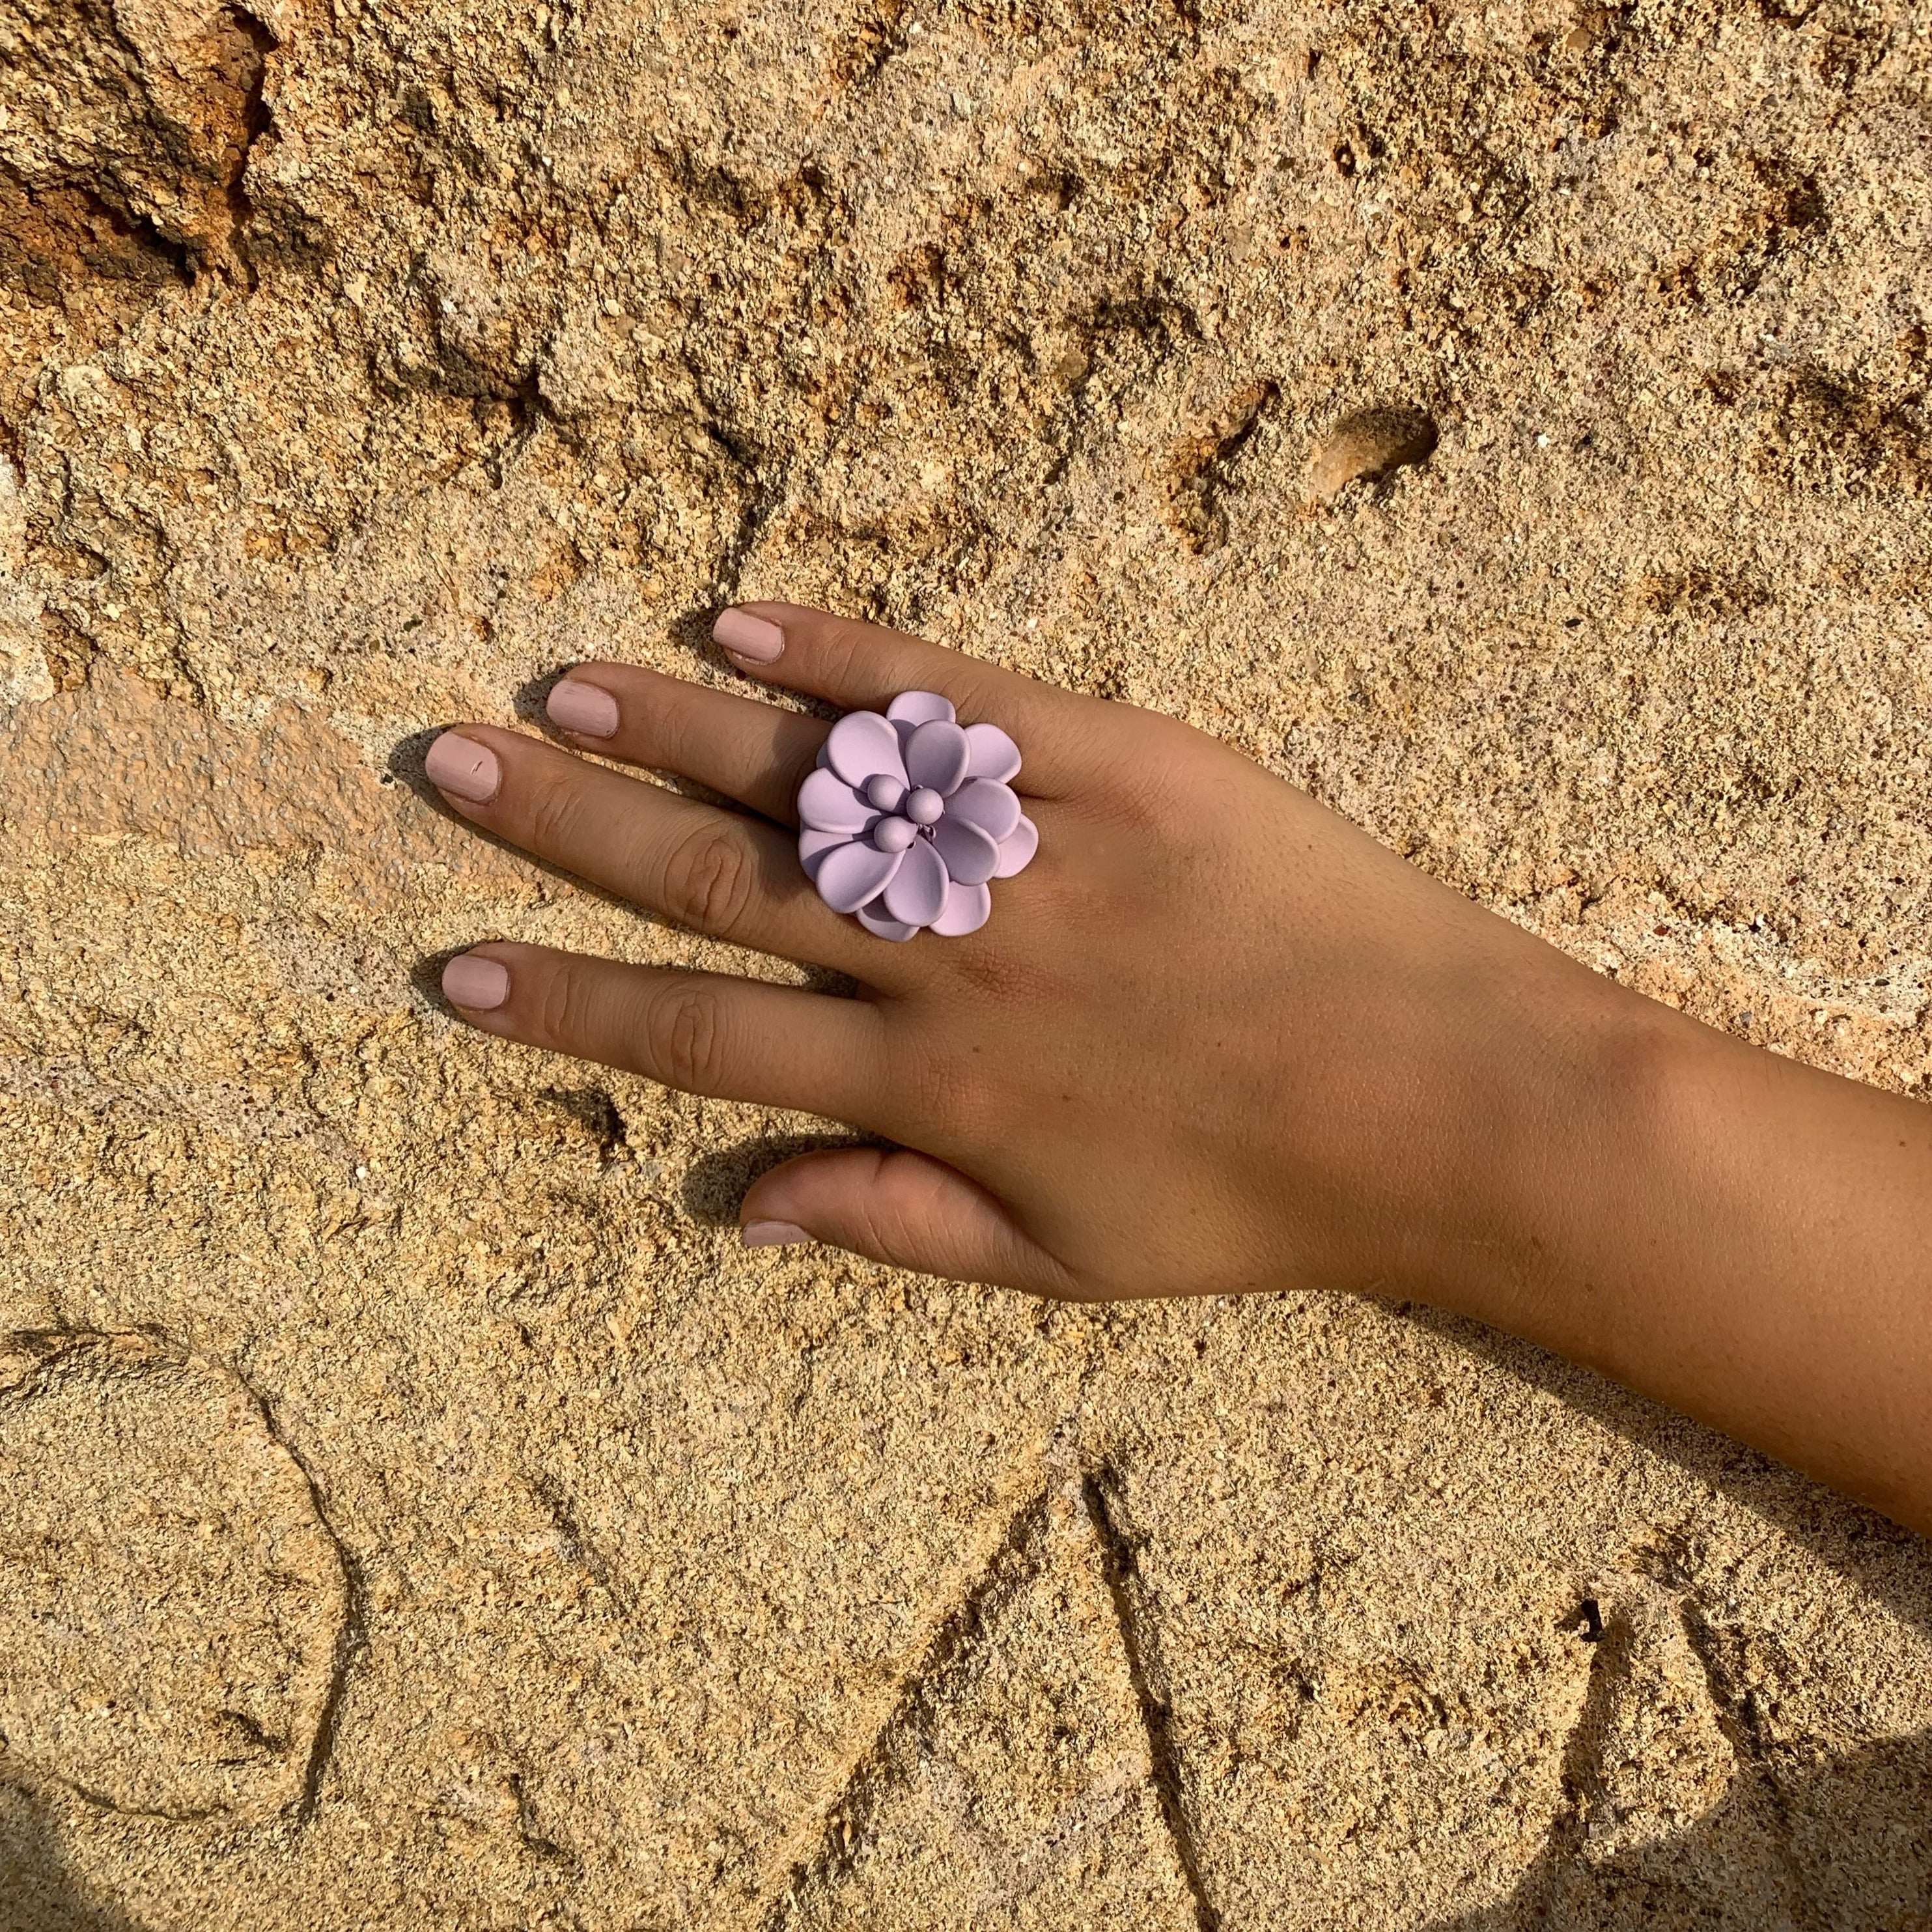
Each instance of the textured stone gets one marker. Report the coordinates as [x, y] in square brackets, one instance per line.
[555, 1561]
[163, 1551]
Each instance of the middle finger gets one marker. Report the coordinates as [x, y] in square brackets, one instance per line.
[721, 873]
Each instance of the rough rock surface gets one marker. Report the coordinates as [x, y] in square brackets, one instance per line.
[1510, 421]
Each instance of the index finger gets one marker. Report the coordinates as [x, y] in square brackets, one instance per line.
[864, 667]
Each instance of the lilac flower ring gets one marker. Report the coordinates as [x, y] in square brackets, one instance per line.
[909, 814]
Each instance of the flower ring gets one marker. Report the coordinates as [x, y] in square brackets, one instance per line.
[909, 814]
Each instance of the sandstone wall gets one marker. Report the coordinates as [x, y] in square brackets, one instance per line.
[416, 1509]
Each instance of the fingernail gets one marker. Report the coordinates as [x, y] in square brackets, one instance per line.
[771, 1234]
[463, 766]
[479, 984]
[756, 640]
[588, 710]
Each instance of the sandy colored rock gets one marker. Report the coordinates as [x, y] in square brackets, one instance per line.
[1366, 446]
[419, 1511]
[165, 1551]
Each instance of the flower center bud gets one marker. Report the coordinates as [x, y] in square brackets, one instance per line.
[925, 806]
[894, 834]
[884, 793]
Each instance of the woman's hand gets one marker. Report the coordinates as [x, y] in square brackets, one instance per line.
[1216, 1038]
[1213, 1037]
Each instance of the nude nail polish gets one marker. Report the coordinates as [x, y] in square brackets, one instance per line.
[480, 985]
[464, 769]
[755, 640]
[588, 710]
[772, 1234]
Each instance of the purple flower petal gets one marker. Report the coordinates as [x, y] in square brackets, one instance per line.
[813, 846]
[826, 803]
[936, 755]
[966, 910]
[874, 918]
[862, 747]
[994, 756]
[993, 807]
[917, 707]
[916, 892]
[1017, 848]
[858, 871]
[913, 771]
[970, 854]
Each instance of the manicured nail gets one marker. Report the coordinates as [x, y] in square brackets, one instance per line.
[478, 984]
[756, 640]
[463, 767]
[771, 1234]
[588, 710]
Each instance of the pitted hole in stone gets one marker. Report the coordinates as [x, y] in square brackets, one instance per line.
[170, 1601]
[1368, 445]
[1585, 1620]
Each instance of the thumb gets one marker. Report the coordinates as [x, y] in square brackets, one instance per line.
[899, 1207]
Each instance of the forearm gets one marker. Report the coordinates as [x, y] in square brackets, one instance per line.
[1744, 1238]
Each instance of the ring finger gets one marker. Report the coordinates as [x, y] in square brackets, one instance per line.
[702, 1032]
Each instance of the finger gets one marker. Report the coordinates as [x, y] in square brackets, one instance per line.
[702, 1032]
[863, 667]
[900, 1207]
[719, 872]
[753, 752]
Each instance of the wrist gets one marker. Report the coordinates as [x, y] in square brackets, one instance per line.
[1582, 1151]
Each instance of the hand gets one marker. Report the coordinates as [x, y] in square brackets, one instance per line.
[1214, 1037]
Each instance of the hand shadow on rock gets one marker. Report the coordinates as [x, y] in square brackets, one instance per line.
[1879, 1557]
[1846, 1840]
[37, 1892]
[715, 1184]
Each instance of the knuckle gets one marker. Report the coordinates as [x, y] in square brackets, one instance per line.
[844, 648]
[1012, 973]
[684, 1036]
[906, 1218]
[563, 1006]
[708, 880]
[1145, 800]
[553, 811]
[672, 734]
[1000, 976]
